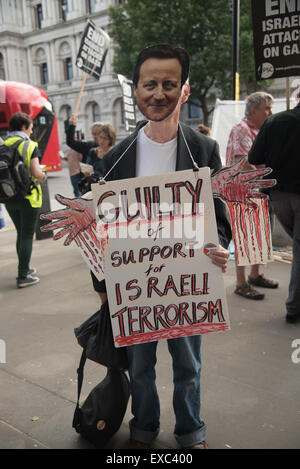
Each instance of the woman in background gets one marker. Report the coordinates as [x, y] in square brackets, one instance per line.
[106, 139]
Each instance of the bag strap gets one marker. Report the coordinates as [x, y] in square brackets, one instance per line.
[24, 153]
[80, 375]
[24, 150]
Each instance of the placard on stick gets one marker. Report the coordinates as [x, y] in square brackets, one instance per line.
[91, 55]
[93, 50]
[160, 282]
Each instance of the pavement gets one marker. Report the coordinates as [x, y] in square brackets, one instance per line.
[250, 381]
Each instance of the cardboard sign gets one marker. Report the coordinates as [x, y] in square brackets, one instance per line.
[251, 233]
[128, 103]
[160, 282]
[276, 34]
[93, 50]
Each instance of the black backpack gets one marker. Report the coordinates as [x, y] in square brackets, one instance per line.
[15, 180]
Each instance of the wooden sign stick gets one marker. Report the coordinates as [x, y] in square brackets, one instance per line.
[80, 93]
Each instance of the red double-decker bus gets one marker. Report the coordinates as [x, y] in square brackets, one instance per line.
[22, 97]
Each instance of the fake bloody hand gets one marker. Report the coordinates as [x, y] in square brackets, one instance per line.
[77, 218]
[234, 185]
[77, 221]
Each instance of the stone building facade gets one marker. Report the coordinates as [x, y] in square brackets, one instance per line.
[39, 42]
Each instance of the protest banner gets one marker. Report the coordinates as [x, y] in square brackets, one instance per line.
[92, 53]
[160, 282]
[276, 36]
[128, 103]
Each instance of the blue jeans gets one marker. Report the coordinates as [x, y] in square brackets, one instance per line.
[144, 426]
[74, 181]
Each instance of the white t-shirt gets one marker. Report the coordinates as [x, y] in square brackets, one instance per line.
[153, 157]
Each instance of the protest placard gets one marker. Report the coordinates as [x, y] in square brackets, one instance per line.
[91, 55]
[276, 37]
[93, 50]
[160, 282]
[128, 102]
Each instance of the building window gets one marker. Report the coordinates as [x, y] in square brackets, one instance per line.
[68, 112]
[118, 113]
[63, 9]
[90, 6]
[68, 68]
[39, 15]
[122, 113]
[2, 69]
[194, 109]
[96, 112]
[44, 74]
[64, 116]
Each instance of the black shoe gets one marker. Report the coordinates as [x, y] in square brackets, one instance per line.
[262, 281]
[291, 318]
[31, 271]
[23, 282]
[249, 292]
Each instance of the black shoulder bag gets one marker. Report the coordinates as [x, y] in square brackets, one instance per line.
[103, 411]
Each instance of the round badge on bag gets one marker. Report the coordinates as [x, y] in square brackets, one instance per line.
[101, 424]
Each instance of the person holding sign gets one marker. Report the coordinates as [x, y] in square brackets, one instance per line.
[106, 139]
[79, 145]
[88, 149]
[161, 145]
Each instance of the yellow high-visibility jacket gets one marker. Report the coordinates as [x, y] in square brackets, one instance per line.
[35, 198]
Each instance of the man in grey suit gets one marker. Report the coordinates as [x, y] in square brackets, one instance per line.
[159, 145]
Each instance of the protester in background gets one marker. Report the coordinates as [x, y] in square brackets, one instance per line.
[162, 146]
[24, 213]
[258, 108]
[204, 130]
[80, 146]
[106, 139]
[277, 146]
